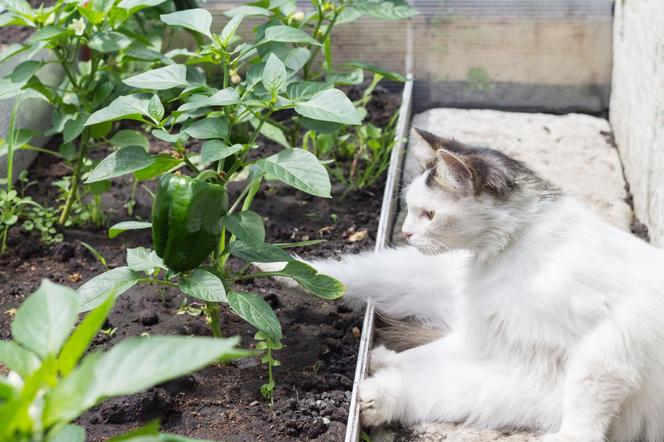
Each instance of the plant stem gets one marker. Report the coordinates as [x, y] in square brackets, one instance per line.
[11, 139]
[316, 49]
[256, 275]
[319, 22]
[5, 232]
[73, 189]
[212, 310]
[158, 281]
[270, 378]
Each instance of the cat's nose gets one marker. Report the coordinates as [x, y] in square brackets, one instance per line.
[407, 234]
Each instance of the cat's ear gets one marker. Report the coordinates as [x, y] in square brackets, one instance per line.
[423, 147]
[452, 171]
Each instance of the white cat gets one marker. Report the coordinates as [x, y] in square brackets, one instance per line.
[553, 320]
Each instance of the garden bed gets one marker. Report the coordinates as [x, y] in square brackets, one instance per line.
[222, 402]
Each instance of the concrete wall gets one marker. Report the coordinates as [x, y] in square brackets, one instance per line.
[637, 105]
[528, 55]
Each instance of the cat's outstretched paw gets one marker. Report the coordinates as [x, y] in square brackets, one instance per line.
[560, 437]
[377, 405]
[381, 357]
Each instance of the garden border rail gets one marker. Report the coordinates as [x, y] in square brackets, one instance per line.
[388, 215]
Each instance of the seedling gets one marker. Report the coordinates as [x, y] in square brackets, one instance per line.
[52, 380]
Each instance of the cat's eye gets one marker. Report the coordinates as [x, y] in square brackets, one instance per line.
[428, 214]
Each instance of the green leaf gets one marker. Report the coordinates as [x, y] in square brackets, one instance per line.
[298, 168]
[140, 259]
[385, 9]
[151, 428]
[247, 226]
[83, 334]
[121, 162]
[215, 150]
[101, 130]
[297, 58]
[130, 107]
[354, 77]
[91, 15]
[9, 89]
[129, 137]
[68, 433]
[110, 283]
[18, 359]
[155, 108]
[197, 20]
[50, 33]
[348, 15]
[390, 75]
[274, 74]
[329, 105]
[203, 284]
[46, 318]
[25, 70]
[288, 34]
[108, 41]
[133, 365]
[161, 437]
[316, 283]
[304, 90]
[320, 127]
[168, 77]
[74, 128]
[98, 187]
[229, 30]
[123, 226]
[162, 163]
[162, 135]
[247, 11]
[262, 253]
[271, 132]
[253, 309]
[223, 97]
[208, 128]
[136, 5]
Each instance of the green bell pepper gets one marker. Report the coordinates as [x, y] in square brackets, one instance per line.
[187, 220]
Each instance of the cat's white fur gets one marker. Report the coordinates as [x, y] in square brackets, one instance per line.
[554, 319]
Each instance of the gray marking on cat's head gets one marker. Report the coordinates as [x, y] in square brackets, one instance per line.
[484, 171]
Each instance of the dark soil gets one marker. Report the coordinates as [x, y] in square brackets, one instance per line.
[221, 402]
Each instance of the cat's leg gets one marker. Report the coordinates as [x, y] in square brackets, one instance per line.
[602, 373]
[436, 382]
[382, 357]
[402, 282]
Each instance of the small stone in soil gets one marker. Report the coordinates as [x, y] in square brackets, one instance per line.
[273, 300]
[182, 384]
[148, 317]
[245, 363]
[27, 249]
[63, 251]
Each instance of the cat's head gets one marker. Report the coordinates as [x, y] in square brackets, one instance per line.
[468, 197]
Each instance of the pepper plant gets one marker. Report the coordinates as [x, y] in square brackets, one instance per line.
[96, 43]
[195, 229]
[283, 17]
[52, 381]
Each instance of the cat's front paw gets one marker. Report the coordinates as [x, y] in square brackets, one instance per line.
[381, 357]
[560, 437]
[377, 401]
